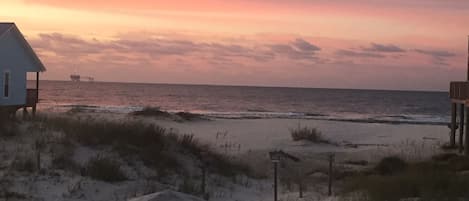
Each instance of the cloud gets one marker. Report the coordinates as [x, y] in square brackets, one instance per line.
[305, 46]
[439, 57]
[149, 48]
[299, 49]
[383, 48]
[351, 53]
[436, 53]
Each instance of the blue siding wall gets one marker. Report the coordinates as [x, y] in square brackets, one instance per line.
[13, 58]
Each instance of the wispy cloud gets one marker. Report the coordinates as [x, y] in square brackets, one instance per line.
[436, 53]
[388, 48]
[125, 47]
[352, 53]
[439, 57]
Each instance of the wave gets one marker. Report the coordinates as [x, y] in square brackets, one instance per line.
[264, 114]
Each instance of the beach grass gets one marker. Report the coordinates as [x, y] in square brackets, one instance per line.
[308, 134]
[157, 147]
[442, 179]
[104, 169]
[151, 112]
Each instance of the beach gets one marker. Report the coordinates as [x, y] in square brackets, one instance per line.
[252, 139]
[149, 149]
[359, 127]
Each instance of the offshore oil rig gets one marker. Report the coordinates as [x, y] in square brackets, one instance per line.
[459, 95]
[77, 78]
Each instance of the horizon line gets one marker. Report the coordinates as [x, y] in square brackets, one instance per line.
[254, 86]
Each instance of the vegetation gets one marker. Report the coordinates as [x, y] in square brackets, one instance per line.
[151, 112]
[308, 134]
[390, 165]
[8, 126]
[157, 112]
[104, 169]
[24, 164]
[157, 147]
[395, 180]
[187, 116]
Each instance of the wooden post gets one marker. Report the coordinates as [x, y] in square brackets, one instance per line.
[275, 181]
[203, 180]
[331, 160]
[37, 87]
[301, 188]
[37, 94]
[38, 155]
[461, 127]
[452, 138]
[466, 139]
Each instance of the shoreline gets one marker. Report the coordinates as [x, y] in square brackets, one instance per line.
[241, 136]
[395, 119]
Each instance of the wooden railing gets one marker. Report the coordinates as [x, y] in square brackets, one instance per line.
[31, 97]
[459, 90]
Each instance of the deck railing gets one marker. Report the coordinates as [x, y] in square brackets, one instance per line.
[459, 90]
[31, 97]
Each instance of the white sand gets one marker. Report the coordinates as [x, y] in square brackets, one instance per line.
[269, 134]
[253, 138]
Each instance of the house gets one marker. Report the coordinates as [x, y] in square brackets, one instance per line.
[17, 62]
[459, 96]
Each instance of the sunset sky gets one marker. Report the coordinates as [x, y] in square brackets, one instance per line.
[376, 44]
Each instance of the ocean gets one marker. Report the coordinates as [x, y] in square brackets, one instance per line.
[239, 102]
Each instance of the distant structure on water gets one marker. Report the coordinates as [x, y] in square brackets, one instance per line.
[77, 78]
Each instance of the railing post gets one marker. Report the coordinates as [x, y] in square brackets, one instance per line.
[466, 139]
[452, 138]
[461, 127]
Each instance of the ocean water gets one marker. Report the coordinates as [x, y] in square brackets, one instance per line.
[251, 102]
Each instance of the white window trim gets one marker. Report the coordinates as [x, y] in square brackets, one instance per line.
[9, 84]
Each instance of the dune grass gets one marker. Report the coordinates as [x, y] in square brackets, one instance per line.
[156, 146]
[308, 134]
[151, 112]
[429, 180]
[104, 169]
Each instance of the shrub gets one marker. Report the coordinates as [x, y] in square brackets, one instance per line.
[444, 156]
[427, 180]
[104, 169]
[24, 164]
[64, 162]
[157, 147]
[8, 126]
[390, 165]
[422, 181]
[152, 111]
[187, 116]
[308, 134]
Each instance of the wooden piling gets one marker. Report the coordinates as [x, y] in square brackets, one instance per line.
[329, 187]
[461, 127]
[452, 139]
[466, 140]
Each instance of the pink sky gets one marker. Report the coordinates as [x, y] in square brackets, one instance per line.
[378, 44]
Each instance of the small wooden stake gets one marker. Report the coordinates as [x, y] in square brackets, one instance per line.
[331, 160]
[466, 140]
[461, 127]
[452, 139]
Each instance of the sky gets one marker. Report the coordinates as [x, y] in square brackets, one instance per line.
[364, 44]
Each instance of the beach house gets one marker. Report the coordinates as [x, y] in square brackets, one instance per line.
[459, 95]
[17, 62]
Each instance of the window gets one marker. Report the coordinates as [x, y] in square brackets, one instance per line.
[6, 84]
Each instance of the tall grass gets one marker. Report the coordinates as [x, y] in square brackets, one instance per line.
[308, 134]
[156, 146]
[429, 180]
